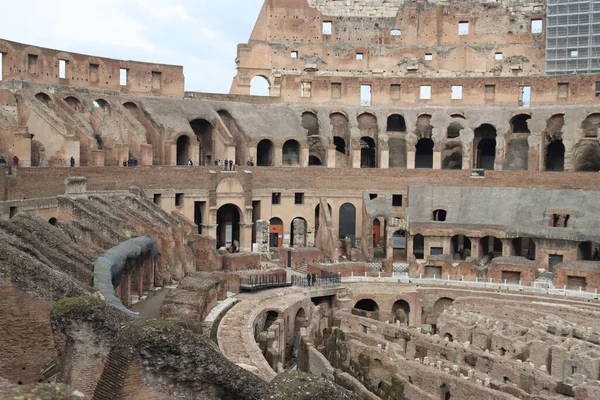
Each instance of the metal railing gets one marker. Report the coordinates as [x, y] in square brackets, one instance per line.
[324, 279]
[478, 284]
[255, 283]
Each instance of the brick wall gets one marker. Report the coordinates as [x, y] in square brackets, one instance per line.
[345, 269]
[26, 340]
[240, 261]
[299, 258]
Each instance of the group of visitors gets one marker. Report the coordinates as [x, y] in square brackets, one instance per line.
[15, 162]
[227, 164]
[131, 162]
[250, 163]
[311, 279]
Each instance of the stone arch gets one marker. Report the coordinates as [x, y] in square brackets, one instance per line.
[53, 221]
[400, 311]
[238, 136]
[347, 222]
[310, 122]
[424, 153]
[275, 232]
[442, 304]
[396, 123]
[519, 124]
[38, 154]
[264, 153]
[341, 129]
[368, 152]
[424, 129]
[419, 246]
[367, 304]
[229, 217]
[270, 319]
[453, 130]
[452, 155]
[461, 247]
[590, 125]
[367, 124]
[291, 152]
[586, 156]
[43, 98]
[260, 86]
[484, 145]
[101, 105]
[74, 103]
[184, 146]
[229, 186]
[490, 246]
[203, 130]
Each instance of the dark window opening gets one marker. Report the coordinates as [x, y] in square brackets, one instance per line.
[560, 220]
[340, 144]
[419, 247]
[299, 198]
[32, 63]
[555, 156]
[372, 196]
[436, 251]
[396, 123]
[276, 198]
[519, 124]
[440, 215]
[397, 200]
[158, 199]
[178, 199]
[424, 154]
[367, 153]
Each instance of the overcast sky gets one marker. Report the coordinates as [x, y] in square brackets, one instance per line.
[201, 35]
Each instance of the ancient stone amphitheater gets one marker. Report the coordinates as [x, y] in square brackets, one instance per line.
[411, 213]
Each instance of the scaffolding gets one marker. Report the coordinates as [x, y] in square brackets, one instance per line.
[573, 37]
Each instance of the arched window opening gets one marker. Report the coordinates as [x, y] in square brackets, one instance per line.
[204, 134]
[491, 246]
[74, 103]
[587, 156]
[419, 247]
[461, 247]
[270, 319]
[439, 215]
[183, 150]
[555, 156]
[396, 123]
[131, 107]
[367, 153]
[367, 124]
[291, 153]
[449, 337]
[590, 125]
[367, 305]
[485, 145]
[53, 221]
[264, 153]
[376, 233]
[44, 98]
[424, 128]
[519, 123]
[457, 115]
[524, 247]
[424, 154]
[314, 161]
[228, 228]
[259, 86]
[452, 155]
[101, 104]
[347, 226]
[441, 304]
[454, 130]
[310, 122]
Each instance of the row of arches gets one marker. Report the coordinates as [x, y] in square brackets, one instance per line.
[400, 311]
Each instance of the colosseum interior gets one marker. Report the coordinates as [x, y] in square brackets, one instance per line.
[411, 213]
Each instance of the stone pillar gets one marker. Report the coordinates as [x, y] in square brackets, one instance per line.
[506, 247]
[122, 153]
[411, 154]
[245, 237]
[99, 158]
[152, 271]
[171, 154]
[229, 154]
[437, 159]
[331, 156]
[146, 154]
[22, 147]
[277, 156]
[194, 154]
[126, 287]
[384, 158]
[299, 232]
[72, 146]
[262, 235]
[466, 157]
[141, 267]
[356, 158]
[304, 155]
[252, 154]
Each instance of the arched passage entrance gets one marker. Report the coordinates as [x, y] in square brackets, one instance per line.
[275, 232]
[424, 154]
[401, 312]
[318, 214]
[264, 153]
[490, 245]
[419, 246]
[259, 86]
[367, 153]
[204, 134]
[291, 153]
[347, 227]
[461, 247]
[485, 146]
[367, 305]
[376, 233]
[228, 227]
[183, 150]
[555, 156]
